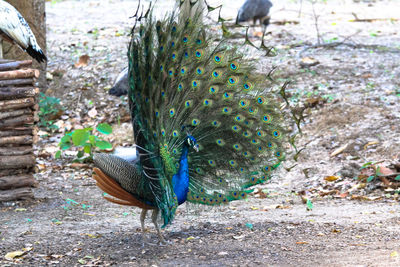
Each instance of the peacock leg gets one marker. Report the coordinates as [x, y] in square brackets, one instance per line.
[154, 217]
[142, 217]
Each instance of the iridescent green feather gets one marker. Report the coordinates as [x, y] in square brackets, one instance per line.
[182, 80]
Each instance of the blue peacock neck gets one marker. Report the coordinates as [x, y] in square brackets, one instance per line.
[180, 181]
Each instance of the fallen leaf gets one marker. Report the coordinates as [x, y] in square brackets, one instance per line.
[20, 209]
[83, 61]
[15, 254]
[370, 144]
[238, 237]
[92, 113]
[302, 242]
[308, 62]
[394, 254]
[339, 150]
[331, 178]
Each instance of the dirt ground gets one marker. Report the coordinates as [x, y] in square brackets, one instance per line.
[355, 89]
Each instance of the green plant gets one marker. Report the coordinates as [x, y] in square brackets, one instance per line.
[85, 141]
[49, 109]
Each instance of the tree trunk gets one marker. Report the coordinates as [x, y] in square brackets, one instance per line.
[34, 13]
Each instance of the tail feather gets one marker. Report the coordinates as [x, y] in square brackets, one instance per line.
[111, 187]
[36, 54]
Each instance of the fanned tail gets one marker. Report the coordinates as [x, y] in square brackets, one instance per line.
[184, 82]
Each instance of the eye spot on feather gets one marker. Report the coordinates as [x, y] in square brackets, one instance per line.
[255, 141]
[260, 100]
[216, 123]
[186, 55]
[199, 71]
[157, 114]
[227, 96]
[237, 147]
[211, 163]
[270, 145]
[170, 72]
[200, 171]
[175, 151]
[195, 122]
[278, 154]
[199, 41]
[213, 89]
[239, 118]
[266, 169]
[188, 103]
[246, 154]
[183, 70]
[161, 68]
[220, 142]
[218, 58]
[180, 87]
[195, 84]
[215, 74]
[163, 132]
[276, 134]
[244, 103]
[162, 93]
[234, 66]
[267, 118]
[236, 128]
[172, 44]
[198, 54]
[226, 110]
[161, 48]
[207, 102]
[261, 133]
[175, 134]
[247, 86]
[232, 80]
[233, 163]
[185, 39]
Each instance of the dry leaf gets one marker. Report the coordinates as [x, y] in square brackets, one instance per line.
[308, 62]
[331, 178]
[302, 242]
[83, 61]
[92, 113]
[370, 144]
[339, 150]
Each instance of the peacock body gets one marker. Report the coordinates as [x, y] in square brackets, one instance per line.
[206, 127]
[255, 10]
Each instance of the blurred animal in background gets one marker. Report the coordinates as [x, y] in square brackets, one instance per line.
[15, 29]
[207, 127]
[121, 84]
[255, 10]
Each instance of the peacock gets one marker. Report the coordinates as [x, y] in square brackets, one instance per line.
[15, 29]
[255, 10]
[206, 127]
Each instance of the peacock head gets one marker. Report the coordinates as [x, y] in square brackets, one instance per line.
[191, 142]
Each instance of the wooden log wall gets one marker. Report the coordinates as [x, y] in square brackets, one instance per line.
[18, 115]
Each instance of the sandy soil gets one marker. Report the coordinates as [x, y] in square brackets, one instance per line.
[69, 224]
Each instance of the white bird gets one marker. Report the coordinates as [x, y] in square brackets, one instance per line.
[15, 29]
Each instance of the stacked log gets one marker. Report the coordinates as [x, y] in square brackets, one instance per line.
[18, 114]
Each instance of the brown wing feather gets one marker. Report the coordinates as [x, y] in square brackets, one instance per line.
[111, 187]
